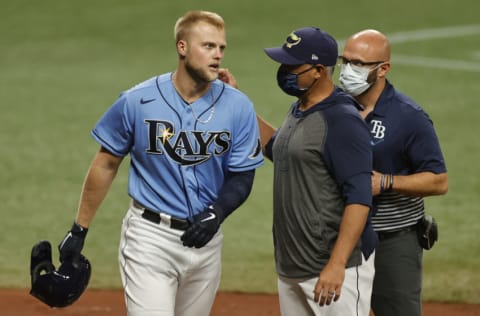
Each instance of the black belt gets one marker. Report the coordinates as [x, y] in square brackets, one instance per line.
[382, 235]
[154, 217]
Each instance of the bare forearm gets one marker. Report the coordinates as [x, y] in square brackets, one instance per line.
[333, 274]
[266, 131]
[421, 184]
[95, 188]
[351, 227]
[418, 184]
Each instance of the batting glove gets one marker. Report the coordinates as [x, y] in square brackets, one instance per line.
[72, 244]
[204, 226]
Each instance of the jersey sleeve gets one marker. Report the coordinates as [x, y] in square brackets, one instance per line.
[349, 155]
[113, 131]
[423, 147]
[246, 151]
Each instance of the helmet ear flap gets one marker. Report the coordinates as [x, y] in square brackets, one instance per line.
[41, 269]
[41, 260]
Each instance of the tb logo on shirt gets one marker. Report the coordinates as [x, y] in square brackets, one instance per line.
[378, 131]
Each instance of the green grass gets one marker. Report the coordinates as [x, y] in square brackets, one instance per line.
[64, 62]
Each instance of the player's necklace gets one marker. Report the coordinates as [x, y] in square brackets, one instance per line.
[212, 111]
[212, 103]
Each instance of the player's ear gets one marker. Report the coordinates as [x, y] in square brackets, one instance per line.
[182, 48]
[383, 69]
[321, 70]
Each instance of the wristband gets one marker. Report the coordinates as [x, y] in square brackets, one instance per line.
[78, 230]
[390, 183]
[382, 183]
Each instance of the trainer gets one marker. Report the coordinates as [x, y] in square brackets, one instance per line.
[408, 166]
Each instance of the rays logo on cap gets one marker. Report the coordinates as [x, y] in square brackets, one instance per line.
[292, 40]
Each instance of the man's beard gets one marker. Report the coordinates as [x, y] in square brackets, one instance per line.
[198, 74]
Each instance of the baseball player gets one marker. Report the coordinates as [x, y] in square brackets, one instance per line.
[194, 146]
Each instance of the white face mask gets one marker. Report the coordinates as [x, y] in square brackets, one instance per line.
[353, 79]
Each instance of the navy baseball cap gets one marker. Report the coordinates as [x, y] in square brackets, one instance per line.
[308, 45]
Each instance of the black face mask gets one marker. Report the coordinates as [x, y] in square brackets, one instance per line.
[288, 82]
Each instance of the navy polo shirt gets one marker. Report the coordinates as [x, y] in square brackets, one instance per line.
[403, 142]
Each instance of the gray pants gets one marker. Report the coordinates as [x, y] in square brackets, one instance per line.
[397, 284]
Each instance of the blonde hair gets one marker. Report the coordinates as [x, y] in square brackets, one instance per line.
[186, 22]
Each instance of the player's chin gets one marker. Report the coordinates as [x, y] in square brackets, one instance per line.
[213, 72]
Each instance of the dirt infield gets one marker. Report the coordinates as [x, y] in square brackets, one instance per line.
[109, 303]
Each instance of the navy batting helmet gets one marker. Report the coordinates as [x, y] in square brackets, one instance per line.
[57, 288]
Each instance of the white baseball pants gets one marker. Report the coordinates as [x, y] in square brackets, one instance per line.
[297, 298]
[160, 276]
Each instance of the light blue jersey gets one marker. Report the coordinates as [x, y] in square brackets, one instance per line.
[180, 152]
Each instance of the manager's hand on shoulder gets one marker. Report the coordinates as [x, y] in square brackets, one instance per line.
[72, 244]
[204, 226]
[226, 76]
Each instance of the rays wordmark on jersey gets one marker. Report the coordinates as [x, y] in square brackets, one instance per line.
[189, 147]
